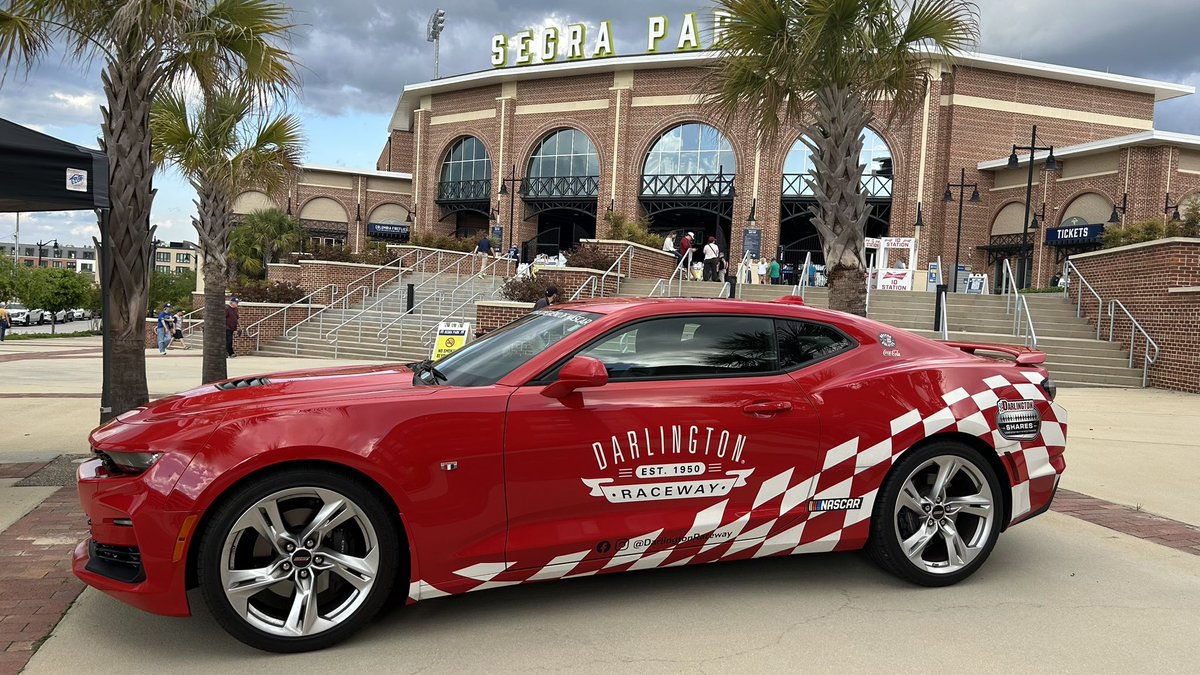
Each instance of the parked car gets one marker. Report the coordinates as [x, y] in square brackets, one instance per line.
[19, 316]
[585, 438]
[80, 314]
[61, 316]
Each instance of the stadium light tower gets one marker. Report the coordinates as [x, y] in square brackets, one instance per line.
[437, 21]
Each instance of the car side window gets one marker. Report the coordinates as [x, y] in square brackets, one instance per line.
[688, 347]
[802, 342]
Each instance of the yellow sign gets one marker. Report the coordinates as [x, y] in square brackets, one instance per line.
[451, 336]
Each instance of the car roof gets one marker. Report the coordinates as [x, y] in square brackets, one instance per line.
[641, 307]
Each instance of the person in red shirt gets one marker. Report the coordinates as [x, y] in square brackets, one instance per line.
[685, 248]
[231, 325]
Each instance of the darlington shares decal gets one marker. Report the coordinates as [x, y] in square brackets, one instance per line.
[819, 512]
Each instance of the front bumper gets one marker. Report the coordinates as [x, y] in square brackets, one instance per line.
[137, 551]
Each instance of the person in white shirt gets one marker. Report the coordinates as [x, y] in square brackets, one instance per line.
[712, 259]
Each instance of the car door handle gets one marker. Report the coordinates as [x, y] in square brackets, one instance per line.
[767, 408]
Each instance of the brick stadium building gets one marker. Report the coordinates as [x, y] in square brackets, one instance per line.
[559, 145]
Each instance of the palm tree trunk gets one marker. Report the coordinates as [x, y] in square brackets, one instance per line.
[840, 215]
[212, 226]
[126, 140]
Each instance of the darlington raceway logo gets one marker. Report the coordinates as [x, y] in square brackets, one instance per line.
[687, 462]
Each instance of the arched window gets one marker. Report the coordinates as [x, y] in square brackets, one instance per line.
[876, 157]
[692, 159]
[565, 164]
[466, 171]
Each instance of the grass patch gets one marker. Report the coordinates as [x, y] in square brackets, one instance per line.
[47, 336]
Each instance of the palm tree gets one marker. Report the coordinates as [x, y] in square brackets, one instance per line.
[825, 63]
[261, 237]
[144, 46]
[222, 146]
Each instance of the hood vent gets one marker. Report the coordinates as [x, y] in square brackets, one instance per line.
[243, 384]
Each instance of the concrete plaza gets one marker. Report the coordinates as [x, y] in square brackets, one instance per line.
[1060, 594]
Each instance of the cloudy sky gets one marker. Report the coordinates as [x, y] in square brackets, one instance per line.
[358, 55]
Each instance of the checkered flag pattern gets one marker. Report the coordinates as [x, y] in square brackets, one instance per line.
[854, 468]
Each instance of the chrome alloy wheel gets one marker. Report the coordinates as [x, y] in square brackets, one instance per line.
[299, 561]
[944, 514]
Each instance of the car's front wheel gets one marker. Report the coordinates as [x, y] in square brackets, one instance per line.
[938, 515]
[299, 560]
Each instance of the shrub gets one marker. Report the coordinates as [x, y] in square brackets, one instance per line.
[525, 289]
[1051, 289]
[1150, 230]
[589, 256]
[375, 254]
[334, 253]
[637, 231]
[263, 291]
[442, 241]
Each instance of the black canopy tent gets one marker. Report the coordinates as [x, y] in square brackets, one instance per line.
[42, 173]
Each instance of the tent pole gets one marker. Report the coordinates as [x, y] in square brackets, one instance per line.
[103, 258]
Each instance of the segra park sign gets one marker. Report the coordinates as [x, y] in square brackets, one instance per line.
[572, 42]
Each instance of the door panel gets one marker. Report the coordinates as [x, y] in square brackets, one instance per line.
[637, 471]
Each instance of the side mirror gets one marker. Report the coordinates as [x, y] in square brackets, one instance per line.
[580, 372]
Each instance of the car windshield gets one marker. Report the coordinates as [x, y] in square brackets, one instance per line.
[490, 358]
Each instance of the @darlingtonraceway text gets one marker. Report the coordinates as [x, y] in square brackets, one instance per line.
[624, 544]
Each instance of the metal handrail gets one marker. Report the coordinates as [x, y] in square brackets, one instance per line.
[682, 270]
[654, 290]
[384, 330]
[306, 301]
[620, 271]
[1031, 334]
[724, 291]
[579, 291]
[293, 333]
[941, 280]
[384, 335]
[425, 336]
[945, 315]
[1067, 267]
[334, 332]
[1147, 360]
[802, 282]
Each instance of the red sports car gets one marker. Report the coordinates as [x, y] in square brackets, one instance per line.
[582, 439]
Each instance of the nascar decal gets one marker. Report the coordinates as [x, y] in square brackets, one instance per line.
[685, 462]
[844, 504]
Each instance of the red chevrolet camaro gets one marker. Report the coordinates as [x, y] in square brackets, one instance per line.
[587, 438]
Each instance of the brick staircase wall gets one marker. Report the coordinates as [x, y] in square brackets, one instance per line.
[569, 279]
[492, 315]
[315, 274]
[284, 272]
[1159, 283]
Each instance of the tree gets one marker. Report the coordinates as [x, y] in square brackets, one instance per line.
[53, 290]
[261, 237]
[824, 63]
[167, 287]
[221, 146]
[143, 46]
[8, 277]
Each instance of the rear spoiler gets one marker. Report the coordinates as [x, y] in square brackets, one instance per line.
[1024, 356]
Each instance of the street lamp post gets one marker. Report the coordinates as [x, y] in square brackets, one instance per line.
[1013, 163]
[42, 244]
[512, 199]
[962, 185]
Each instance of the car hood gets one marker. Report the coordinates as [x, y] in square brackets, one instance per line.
[293, 388]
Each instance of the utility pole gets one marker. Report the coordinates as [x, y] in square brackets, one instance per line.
[437, 21]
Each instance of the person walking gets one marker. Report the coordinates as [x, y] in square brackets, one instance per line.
[547, 300]
[5, 320]
[712, 258]
[162, 328]
[231, 325]
[775, 273]
[177, 334]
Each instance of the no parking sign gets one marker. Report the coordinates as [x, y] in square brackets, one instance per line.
[451, 336]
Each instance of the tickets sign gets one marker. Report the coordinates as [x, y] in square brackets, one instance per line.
[451, 336]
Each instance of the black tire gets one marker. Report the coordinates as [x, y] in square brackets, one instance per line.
[211, 557]
[889, 524]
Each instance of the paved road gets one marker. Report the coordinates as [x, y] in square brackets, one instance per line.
[1058, 595]
[68, 327]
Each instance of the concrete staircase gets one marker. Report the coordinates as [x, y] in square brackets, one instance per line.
[354, 332]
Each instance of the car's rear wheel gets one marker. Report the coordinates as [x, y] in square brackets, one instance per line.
[938, 515]
[299, 560]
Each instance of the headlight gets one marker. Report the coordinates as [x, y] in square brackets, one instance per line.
[128, 462]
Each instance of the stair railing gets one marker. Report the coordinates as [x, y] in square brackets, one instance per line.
[802, 282]
[254, 330]
[682, 270]
[1068, 268]
[1016, 303]
[589, 283]
[418, 309]
[657, 285]
[724, 292]
[189, 325]
[1134, 328]
[342, 304]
